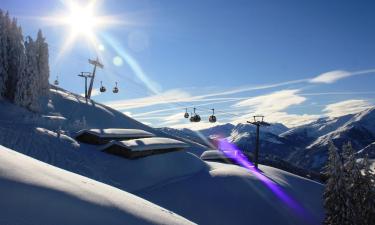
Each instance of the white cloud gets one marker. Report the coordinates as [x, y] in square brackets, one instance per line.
[274, 102]
[333, 76]
[254, 88]
[291, 120]
[330, 77]
[195, 126]
[272, 106]
[181, 96]
[173, 119]
[346, 107]
[171, 96]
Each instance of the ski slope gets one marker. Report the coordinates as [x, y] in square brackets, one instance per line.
[33, 192]
[229, 194]
[202, 192]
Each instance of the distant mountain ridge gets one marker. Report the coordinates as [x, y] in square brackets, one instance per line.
[304, 146]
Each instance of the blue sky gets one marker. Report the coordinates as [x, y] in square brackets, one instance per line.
[292, 61]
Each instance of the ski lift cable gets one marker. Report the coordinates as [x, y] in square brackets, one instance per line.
[198, 108]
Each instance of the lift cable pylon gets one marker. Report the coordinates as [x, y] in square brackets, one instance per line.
[96, 63]
[85, 75]
[258, 122]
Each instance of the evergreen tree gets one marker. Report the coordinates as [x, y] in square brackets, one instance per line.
[27, 91]
[4, 21]
[334, 193]
[349, 196]
[368, 201]
[354, 187]
[24, 70]
[43, 64]
[16, 58]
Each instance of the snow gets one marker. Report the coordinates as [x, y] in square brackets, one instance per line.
[117, 133]
[215, 155]
[203, 192]
[34, 135]
[212, 155]
[229, 194]
[146, 144]
[33, 192]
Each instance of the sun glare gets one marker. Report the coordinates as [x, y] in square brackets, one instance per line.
[81, 19]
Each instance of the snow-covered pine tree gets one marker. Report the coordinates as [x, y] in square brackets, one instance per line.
[4, 21]
[16, 58]
[368, 202]
[27, 91]
[334, 195]
[43, 63]
[354, 187]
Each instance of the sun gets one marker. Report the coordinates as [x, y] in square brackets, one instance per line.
[81, 18]
[81, 21]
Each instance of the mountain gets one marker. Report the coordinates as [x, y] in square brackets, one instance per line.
[185, 134]
[223, 130]
[275, 128]
[368, 150]
[358, 129]
[203, 137]
[304, 146]
[212, 193]
[244, 136]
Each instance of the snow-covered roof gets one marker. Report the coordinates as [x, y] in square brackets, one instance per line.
[117, 133]
[146, 144]
[216, 154]
[212, 154]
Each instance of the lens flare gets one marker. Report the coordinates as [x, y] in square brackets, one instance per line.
[232, 152]
[133, 64]
[117, 61]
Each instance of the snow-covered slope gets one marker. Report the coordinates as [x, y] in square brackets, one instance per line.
[223, 131]
[244, 136]
[47, 137]
[368, 150]
[203, 136]
[316, 129]
[33, 192]
[230, 194]
[359, 129]
[179, 181]
[275, 128]
[185, 134]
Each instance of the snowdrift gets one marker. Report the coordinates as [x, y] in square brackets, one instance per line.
[33, 192]
[230, 194]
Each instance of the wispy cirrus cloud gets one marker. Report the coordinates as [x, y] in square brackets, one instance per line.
[195, 126]
[181, 96]
[168, 97]
[273, 106]
[346, 107]
[333, 76]
[272, 102]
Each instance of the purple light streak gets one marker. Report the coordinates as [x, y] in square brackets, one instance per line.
[232, 152]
